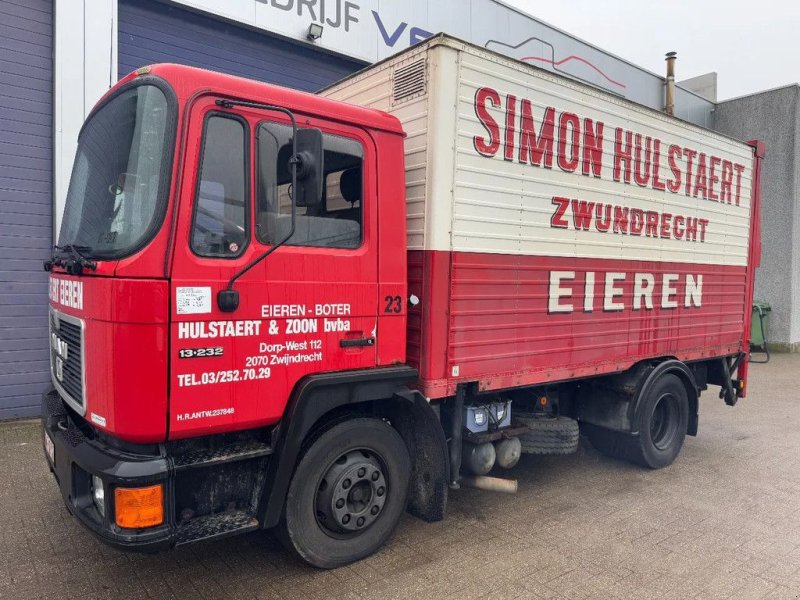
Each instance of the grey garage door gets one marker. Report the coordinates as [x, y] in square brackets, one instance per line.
[26, 113]
[151, 32]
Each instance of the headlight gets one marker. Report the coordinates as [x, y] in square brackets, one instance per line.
[98, 494]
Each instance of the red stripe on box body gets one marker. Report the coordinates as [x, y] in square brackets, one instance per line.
[489, 318]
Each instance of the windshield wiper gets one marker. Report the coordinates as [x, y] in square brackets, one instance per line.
[75, 263]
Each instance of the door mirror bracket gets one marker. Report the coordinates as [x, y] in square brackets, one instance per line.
[307, 154]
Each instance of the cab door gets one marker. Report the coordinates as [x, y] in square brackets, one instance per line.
[310, 307]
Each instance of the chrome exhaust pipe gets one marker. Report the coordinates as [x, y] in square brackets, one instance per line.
[490, 484]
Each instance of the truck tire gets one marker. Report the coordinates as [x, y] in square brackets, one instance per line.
[662, 422]
[548, 435]
[347, 493]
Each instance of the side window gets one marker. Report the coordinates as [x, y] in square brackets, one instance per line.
[336, 222]
[220, 215]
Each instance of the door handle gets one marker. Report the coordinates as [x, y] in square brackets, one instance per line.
[350, 343]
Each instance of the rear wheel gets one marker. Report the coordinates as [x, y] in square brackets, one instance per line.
[347, 493]
[662, 422]
[663, 419]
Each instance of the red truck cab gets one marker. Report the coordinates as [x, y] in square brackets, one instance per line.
[189, 169]
[182, 183]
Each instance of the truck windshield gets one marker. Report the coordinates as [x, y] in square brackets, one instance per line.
[116, 194]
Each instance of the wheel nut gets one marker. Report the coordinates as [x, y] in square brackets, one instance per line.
[340, 503]
[375, 476]
[381, 491]
[346, 519]
[346, 483]
[375, 510]
[362, 471]
[360, 521]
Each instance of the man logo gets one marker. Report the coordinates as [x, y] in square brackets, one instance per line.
[61, 350]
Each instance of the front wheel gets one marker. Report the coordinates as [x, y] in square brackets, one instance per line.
[347, 493]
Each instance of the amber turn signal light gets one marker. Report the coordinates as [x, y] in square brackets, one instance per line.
[139, 507]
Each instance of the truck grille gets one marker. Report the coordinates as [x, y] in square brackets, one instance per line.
[66, 357]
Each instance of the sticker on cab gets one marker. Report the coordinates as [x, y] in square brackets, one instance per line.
[193, 300]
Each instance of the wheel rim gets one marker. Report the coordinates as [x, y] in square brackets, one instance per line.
[664, 422]
[352, 493]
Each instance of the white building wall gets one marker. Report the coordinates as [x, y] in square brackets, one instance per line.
[85, 67]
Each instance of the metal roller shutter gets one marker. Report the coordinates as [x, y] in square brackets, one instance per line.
[26, 149]
[152, 32]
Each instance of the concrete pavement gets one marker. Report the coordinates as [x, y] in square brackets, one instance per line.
[722, 522]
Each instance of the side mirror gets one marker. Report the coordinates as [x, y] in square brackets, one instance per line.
[310, 168]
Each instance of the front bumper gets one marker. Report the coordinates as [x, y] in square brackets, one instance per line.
[78, 458]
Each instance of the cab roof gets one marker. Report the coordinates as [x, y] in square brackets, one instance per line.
[187, 81]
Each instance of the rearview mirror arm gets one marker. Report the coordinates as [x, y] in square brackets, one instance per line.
[228, 299]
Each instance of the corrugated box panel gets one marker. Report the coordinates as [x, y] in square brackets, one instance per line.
[551, 266]
[504, 204]
[400, 87]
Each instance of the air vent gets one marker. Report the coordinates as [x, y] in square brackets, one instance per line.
[408, 82]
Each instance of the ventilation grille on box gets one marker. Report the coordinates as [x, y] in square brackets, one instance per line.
[408, 82]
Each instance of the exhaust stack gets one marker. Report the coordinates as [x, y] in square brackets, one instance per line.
[669, 104]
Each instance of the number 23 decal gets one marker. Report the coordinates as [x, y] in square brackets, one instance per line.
[394, 304]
